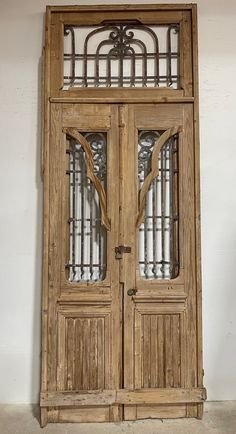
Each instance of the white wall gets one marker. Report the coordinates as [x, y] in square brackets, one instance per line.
[21, 29]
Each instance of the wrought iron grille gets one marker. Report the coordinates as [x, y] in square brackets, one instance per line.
[158, 234]
[122, 55]
[87, 246]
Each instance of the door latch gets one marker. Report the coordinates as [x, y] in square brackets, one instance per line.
[120, 250]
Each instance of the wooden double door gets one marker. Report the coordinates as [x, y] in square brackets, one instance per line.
[122, 334]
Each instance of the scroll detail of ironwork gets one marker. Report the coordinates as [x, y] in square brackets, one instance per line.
[158, 204]
[87, 204]
[122, 55]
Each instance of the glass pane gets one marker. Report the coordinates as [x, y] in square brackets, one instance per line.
[122, 55]
[87, 237]
[158, 234]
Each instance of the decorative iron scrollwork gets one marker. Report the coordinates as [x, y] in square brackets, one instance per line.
[123, 55]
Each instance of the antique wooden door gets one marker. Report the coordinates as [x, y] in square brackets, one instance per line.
[121, 317]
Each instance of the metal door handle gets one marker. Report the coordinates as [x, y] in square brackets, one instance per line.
[131, 292]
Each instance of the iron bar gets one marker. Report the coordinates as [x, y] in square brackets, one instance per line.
[99, 248]
[162, 211]
[154, 225]
[73, 213]
[84, 186]
[162, 55]
[171, 223]
[91, 228]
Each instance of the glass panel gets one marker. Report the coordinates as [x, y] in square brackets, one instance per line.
[158, 234]
[122, 55]
[87, 245]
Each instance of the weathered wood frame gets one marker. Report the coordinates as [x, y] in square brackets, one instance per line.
[52, 84]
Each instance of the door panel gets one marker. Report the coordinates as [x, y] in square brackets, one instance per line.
[85, 335]
[84, 348]
[158, 346]
[122, 316]
[159, 318]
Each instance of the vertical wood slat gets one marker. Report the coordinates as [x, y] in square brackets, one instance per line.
[128, 230]
[189, 247]
[71, 352]
[168, 352]
[128, 212]
[45, 175]
[54, 239]
[160, 349]
[197, 204]
[93, 355]
[176, 350]
[100, 361]
[153, 350]
[186, 42]
[57, 54]
[146, 350]
[113, 239]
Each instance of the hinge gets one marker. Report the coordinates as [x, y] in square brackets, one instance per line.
[120, 250]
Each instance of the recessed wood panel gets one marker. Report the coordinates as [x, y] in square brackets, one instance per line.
[161, 411]
[83, 352]
[158, 350]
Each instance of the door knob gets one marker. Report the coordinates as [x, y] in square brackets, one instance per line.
[131, 292]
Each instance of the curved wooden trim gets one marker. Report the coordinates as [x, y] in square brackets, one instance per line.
[154, 170]
[72, 132]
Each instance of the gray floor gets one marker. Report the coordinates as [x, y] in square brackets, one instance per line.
[219, 418]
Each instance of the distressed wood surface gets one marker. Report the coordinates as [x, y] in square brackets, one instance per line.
[123, 396]
[107, 356]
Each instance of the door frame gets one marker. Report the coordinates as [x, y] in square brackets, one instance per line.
[52, 67]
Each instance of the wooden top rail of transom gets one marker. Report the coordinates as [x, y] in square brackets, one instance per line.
[121, 53]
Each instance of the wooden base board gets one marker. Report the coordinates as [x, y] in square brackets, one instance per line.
[118, 413]
[157, 412]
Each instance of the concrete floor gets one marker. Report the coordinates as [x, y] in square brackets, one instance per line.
[219, 418]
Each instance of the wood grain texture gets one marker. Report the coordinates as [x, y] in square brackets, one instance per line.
[200, 371]
[161, 354]
[107, 356]
[123, 396]
[45, 176]
[83, 357]
[117, 7]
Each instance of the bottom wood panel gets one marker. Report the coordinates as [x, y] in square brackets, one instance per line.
[155, 412]
[85, 414]
[131, 412]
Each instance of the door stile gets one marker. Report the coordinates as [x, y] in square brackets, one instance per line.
[190, 256]
[54, 240]
[128, 207]
[116, 295]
